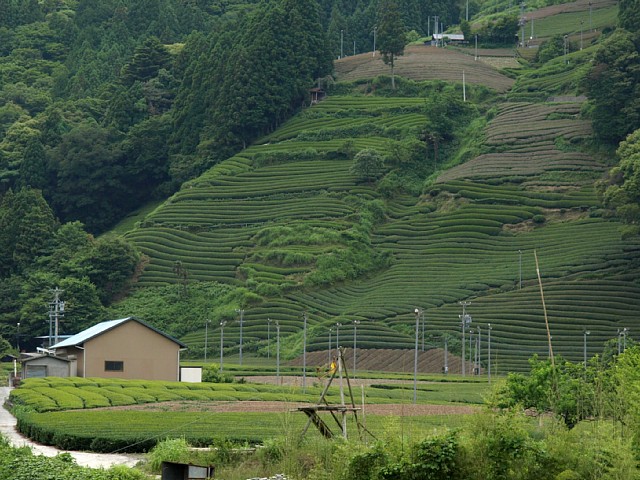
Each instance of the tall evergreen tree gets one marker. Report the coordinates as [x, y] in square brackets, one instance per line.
[391, 34]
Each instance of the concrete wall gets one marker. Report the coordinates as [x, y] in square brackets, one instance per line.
[145, 354]
[45, 366]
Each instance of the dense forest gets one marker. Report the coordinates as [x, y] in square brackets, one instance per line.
[106, 105]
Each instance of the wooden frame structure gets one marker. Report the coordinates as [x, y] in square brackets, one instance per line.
[338, 412]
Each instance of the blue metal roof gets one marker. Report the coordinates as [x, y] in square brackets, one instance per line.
[103, 327]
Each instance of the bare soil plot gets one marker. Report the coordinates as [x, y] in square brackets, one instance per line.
[578, 6]
[421, 62]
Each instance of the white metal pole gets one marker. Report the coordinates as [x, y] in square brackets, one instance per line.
[415, 358]
[304, 353]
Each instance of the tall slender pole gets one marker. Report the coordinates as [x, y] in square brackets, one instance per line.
[355, 344]
[476, 57]
[330, 330]
[544, 309]
[581, 29]
[464, 88]
[18, 337]
[446, 355]
[520, 269]
[489, 352]
[415, 358]
[463, 321]
[278, 351]
[375, 28]
[590, 24]
[56, 311]
[268, 338]
[422, 315]
[341, 43]
[338, 325]
[467, 13]
[222, 324]
[618, 335]
[565, 50]
[585, 333]
[479, 350]
[206, 338]
[304, 353]
[241, 312]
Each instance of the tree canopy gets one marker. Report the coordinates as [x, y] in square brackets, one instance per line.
[391, 34]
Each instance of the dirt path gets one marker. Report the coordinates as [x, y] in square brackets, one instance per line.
[85, 459]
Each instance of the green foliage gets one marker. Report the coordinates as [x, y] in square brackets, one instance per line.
[212, 374]
[611, 86]
[368, 165]
[501, 30]
[391, 34]
[430, 459]
[552, 48]
[567, 390]
[23, 464]
[623, 191]
[629, 15]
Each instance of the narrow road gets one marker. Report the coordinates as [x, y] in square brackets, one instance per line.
[85, 459]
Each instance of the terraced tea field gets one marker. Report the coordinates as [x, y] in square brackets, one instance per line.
[527, 140]
[265, 218]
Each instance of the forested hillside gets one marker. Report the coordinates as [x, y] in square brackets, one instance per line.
[386, 196]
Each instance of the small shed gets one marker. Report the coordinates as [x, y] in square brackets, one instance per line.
[317, 94]
[46, 365]
[184, 471]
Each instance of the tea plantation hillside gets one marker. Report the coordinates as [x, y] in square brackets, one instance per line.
[291, 221]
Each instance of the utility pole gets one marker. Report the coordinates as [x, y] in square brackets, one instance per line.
[375, 29]
[341, 43]
[489, 352]
[435, 28]
[355, 344]
[523, 21]
[464, 88]
[415, 358]
[268, 337]
[581, 29]
[585, 333]
[278, 351]
[479, 351]
[520, 269]
[464, 319]
[241, 312]
[18, 338]
[446, 355]
[467, 12]
[330, 331]
[338, 325]
[222, 324]
[206, 338]
[304, 353]
[56, 310]
[476, 58]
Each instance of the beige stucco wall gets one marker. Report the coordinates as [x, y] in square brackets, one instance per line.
[145, 353]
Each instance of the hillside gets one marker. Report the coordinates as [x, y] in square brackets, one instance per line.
[287, 219]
